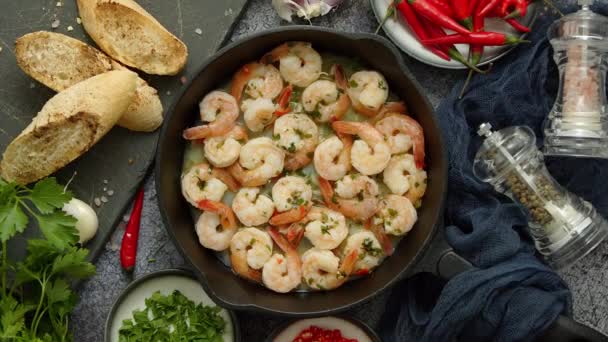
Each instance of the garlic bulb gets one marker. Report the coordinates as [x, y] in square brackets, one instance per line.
[306, 9]
[86, 218]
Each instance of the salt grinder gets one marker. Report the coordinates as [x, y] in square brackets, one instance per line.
[578, 124]
[564, 227]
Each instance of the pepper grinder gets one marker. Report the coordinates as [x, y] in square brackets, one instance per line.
[564, 227]
[578, 123]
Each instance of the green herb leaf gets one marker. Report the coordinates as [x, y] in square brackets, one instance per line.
[74, 263]
[47, 195]
[12, 220]
[59, 229]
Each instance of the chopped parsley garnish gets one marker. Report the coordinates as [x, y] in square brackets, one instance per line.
[353, 84]
[276, 137]
[252, 241]
[324, 218]
[392, 212]
[360, 196]
[381, 85]
[172, 318]
[315, 114]
[291, 148]
[368, 247]
[301, 134]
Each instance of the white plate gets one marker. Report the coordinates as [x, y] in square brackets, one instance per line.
[399, 32]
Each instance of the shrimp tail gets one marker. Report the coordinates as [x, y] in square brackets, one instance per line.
[274, 55]
[240, 266]
[340, 77]
[327, 192]
[348, 263]
[226, 178]
[290, 216]
[243, 177]
[295, 233]
[385, 241]
[196, 133]
[240, 79]
[282, 242]
[297, 161]
[226, 214]
[346, 127]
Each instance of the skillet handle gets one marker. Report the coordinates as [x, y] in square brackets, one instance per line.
[448, 264]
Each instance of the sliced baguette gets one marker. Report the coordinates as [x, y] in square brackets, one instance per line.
[128, 33]
[67, 126]
[59, 61]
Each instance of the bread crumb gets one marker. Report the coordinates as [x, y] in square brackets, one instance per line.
[78, 20]
[183, 79]
[105, 181]
[70, 28]
[32, 85]
[228, 12]
[58, 4]
[105, 189]
[0, 48]
[97, 201]
[110, 192]
[168, 92]
[104, 199]
[198, 31]
[55, 24]
[131, 161]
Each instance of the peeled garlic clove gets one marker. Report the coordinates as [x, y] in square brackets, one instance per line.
[86, 218]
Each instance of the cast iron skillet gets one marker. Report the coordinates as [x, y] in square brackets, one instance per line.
[235, 293]
[219, 282]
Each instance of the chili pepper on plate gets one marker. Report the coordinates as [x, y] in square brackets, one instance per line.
[489, 7]
[128, 247]
[412, 20]
[432, 13]
[462, 13]
[480, 38]
[517, 25]
[436, 32]
[513, 8]
[444, 7]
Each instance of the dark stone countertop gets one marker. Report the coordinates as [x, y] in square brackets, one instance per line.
[587, 278]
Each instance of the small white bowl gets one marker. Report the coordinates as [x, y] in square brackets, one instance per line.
[399, 32]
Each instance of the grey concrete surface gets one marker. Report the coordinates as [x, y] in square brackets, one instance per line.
[156, 252]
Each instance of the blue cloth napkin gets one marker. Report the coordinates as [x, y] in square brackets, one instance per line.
[510, 294]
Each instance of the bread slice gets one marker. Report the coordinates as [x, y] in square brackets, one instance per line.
[128, 33]
[67, 126]
[59, 61]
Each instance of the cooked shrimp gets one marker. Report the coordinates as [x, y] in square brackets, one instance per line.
[211, 234]
[417, 187]
[224, 150]
[322, 270]
[402, 133]
[298, 135]
[258, 113]
[355, 196]
[397, 174]
[369, 155]
[326, 229]
[332, 157]
[368, 91]
[258, 80]
[397, 215]
[323, 97]
[388, 109]
[260, 160]
[199, 183]
[252, 208]
[282, 273]
[368, 248]
[292, 198]
[299, 63]
[250, 249]
[224, 212]
[218, 108]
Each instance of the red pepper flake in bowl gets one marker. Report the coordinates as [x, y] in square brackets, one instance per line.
[317, 334]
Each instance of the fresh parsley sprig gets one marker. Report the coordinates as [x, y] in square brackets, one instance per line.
[35, 296]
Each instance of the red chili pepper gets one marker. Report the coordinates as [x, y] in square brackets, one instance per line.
[462, 13]
[128, 247]
[283, 101]
[517, 25]
[473, 7]
[437, 32]
[412, 20]
[431, 12]
[444, 7]
[491, 5]
[481, 38]
[513, 8]
[362, 272]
